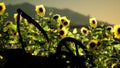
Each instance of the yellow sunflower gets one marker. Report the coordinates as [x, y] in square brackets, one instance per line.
[6, 25]
[40, 10]
[27, 23]
[15, 16]
[15, 34]
[84, 31]
[63, 32]
[56, 16]
[93, 44]
[116, 31]
[2, 8]
[93, 22]
[99, 43]
[65, 21]
[109, 30]
[61, 26]
[9, 26]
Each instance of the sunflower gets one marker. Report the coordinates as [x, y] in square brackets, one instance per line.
[57, 19]
[9, 26]
[98, 44]
[93, 22]
[61, 26]
[8, 23]
[116, 31]
[93, 44]
[109, 30]
[56, 16]
[63, 32]
[15, 34]
[65, 21]
[2, 8]
[15, 16]
[84, 31]
[27, 22]
[40, 10]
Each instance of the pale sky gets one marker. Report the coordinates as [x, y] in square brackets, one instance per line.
[105, 10]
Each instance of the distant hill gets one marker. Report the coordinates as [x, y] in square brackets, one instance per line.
[76, 18]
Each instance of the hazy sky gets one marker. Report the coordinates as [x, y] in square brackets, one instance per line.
[105, 10]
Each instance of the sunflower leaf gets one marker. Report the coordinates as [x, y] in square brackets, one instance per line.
[95, 37]
[74, 30]
[117, 46]
[13, 27]
[70, 34]
[46, 28]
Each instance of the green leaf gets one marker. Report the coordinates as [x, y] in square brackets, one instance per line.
[98, 33]
[80, 50]
[74, 30]
[85, 39]
[102, 24]
[70, 34]
[117, 46]
[12, 41]
[5, 15]
[1, 57]
[46, 28]
[31, 31]
[77, 36]
[95, 37]
[50, 12]
[13, 27]
[35, 52]
[99, 29]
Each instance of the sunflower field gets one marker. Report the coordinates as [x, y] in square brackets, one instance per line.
[101, 42]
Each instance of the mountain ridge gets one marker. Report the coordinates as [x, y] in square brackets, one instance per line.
[76, 18]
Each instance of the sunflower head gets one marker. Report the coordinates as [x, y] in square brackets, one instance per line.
[40, 10]
[109, 30]
[63, 32]
[65, 21]
[15, 34]
[2, 8]
[117, 31]
[61, 26]
[93, 44]
[15, 16]
[98, 44]
[84, 31]
[27, 22]
[8, 23]
[56, 16]
[93, 22]
[9, 26]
